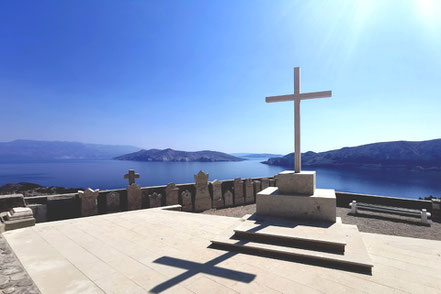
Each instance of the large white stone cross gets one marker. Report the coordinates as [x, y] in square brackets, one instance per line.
[297, 97]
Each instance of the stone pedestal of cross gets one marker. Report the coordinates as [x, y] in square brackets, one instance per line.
[131, 176]
[288, 198]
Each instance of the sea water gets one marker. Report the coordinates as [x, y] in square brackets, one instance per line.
[108, 174]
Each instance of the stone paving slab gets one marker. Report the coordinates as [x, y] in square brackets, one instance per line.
[167, 252]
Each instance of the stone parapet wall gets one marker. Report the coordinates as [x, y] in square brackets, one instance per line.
[66, 206]
[222, 193]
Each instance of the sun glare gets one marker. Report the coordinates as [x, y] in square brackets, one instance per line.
[429, 11]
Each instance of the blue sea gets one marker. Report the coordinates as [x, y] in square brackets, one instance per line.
[108, 174]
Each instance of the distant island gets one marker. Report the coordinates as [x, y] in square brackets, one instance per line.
[32, 150]
[399, 154]
[31, 189]
[256, 155]
[178, 156]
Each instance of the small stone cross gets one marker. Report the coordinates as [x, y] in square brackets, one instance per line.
[297, 97]
[131, 176]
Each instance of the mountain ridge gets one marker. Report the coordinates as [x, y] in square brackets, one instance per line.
[178, 156]
[30, 150]
[403, 154]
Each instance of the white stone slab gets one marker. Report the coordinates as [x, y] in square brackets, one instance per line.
[302, 183]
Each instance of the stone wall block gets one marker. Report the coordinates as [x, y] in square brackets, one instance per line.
[257, 188]
[264, 183]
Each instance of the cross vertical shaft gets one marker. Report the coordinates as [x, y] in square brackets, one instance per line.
[297, 152]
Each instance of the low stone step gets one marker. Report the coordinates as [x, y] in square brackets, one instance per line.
[291, 237]
[356, 261]
[330, 237]
[280, 238]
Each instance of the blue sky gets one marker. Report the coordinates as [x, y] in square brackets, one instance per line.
[193, 75]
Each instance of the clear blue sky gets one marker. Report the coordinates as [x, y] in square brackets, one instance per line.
[193, 75]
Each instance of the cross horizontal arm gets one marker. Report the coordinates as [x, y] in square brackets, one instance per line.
[206, 268]
[281, 98]
[302, 96]
[312, 95]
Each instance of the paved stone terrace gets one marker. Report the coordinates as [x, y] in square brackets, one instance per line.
[166, 251]
[366, 221]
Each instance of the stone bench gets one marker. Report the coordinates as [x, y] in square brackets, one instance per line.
[423, 214]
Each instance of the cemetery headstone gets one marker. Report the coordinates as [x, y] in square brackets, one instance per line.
[113, 202]
[171, 194]
[89, 201]
[202, 199]
[155, 200]
[218, 201]
[238, 192]
[134, 197]
[249, 191]
[131, 176]
[228, 198]
[186, 202]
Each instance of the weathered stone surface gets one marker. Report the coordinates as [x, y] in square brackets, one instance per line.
[202, 199]
[186, 202]
[272, 182]
[134, 197]
[238, 192]
[131, 176]
[17, 218]
[228, 198]
[39, 211]
[155, 200]
[249, 191]
[63, 207]
[436, 209]
[89, 201]
[218, 201]
[257, 188]
[171, 194]
[291, 183]
[265, 183]
[113, 202]
[13, 277]
[321, 206]
[7, 202]
[17, 213]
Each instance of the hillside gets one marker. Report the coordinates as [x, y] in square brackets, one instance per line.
[260, 156]
[402, 154]
[178, 156]
[30, 189]
[29, 150]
